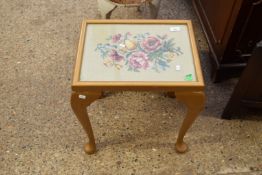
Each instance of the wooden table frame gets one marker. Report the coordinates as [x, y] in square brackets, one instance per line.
[190, 93]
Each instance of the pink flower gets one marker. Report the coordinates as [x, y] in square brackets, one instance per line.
[151, 44]
[116, 38]
[139, 60]
[115, 56]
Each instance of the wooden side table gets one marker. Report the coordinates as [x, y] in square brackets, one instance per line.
[137, 55]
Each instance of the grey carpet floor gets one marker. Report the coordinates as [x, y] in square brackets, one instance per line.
[135, 131]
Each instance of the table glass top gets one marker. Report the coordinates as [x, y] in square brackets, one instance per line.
[137, 52]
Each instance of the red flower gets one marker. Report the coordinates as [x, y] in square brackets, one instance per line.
[151, 44]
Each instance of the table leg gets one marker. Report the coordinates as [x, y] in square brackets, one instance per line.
[106, 7]
[171, 94]
[79, 103]
[195, 103]
[154, 8]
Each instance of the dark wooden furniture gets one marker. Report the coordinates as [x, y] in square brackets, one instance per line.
[232, 28]
[248, 92]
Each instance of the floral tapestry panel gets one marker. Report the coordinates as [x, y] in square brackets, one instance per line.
[137, 52]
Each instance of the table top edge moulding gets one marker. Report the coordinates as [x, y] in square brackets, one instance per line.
[78, 85]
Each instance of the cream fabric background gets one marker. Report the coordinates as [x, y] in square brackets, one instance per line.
[93, 68]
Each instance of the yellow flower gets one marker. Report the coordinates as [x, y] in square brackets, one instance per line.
[108, 62]
[119, 64]
[123, 50]
[170, 56]
[130, 45]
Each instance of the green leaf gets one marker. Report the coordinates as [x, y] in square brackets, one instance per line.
[128, 54]
[156, 69]
[163, 64]
[188, 77]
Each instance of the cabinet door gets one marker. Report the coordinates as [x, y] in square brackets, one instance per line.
[220, 15]
[246, 32]
[251, 27]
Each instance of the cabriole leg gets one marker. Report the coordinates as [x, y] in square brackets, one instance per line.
[79, 103]
[195, 103]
